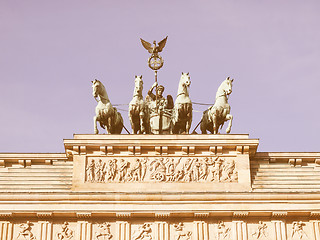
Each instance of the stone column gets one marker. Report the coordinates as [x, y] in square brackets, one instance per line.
[84, 231]
[123, 230]
[200, 230]
[6, 229]
[161, 231]
[316, 229]
[240, 231]
[45, 230]
[280, 232]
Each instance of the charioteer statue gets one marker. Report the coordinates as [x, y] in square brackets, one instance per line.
[160, 110]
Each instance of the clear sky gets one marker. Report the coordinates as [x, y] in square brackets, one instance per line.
[50, 51]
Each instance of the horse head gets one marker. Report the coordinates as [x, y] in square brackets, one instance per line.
[184, 84]
[138, 86]
[185, 79]
[98, 90]
[225, 88]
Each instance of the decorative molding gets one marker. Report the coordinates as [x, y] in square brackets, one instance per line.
[131, 150]
[83, 150]
[48, 162]
[2, 163]
[279, 214]
[43, 215]
[164, 150]
[201, 215]
[109, 150]
[240, 214]
[103, 150]
[76, 150]
[162, 215]
[219, 149]
[315, 214]
[84, 215]
[6, 215]
[123, 215]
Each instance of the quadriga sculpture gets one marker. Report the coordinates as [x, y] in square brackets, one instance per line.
[182, 114]
[137, 109]
[216, 115]
[106, 114]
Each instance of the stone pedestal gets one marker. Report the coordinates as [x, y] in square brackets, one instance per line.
[161, 163]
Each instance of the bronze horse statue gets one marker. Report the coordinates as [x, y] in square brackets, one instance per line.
[137, 109]
[214, 117]
[182, 114]
[107, 115]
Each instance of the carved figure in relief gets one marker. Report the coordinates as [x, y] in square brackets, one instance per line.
[137, 109]
[187, 170]
[215, 116]
[25, 232]
[143, 233]
[158, 169]
[297, 231]
[124, 165]
[66, 233]
[204, 168]
[216, 171]
[228, 171]
[181, 233]
[260, 233]
[106, 114]
[90, 169]
[223, 231]
[110, 170]
[103, 232]
[196, 170]
[99, 171]
[137, 171]
[171, 169]
[182, 112]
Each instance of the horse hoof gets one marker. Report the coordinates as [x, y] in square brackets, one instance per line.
[96, 131]
[228, 130]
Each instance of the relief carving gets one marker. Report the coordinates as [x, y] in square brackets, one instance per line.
[181, 233]
[103, 232]
[25, 232]
[260, 232]
[159, 169]
[297, 231]
[66, 233]
[223, 232]
[143, 233]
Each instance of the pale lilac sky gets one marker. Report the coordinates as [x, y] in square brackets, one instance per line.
[51, 50]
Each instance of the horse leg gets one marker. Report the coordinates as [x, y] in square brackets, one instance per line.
[189, 118]
[96, 131]
[141, 116]
[109, 125]
[215, 125]
[131, 116]
[230, 118]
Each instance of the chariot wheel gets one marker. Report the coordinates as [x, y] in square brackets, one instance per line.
[159, 177]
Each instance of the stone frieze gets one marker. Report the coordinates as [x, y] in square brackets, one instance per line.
[160, 169]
